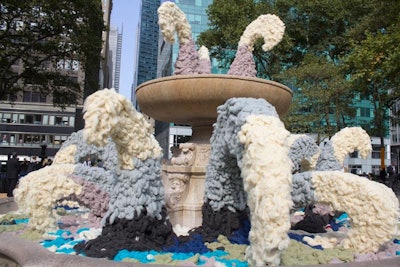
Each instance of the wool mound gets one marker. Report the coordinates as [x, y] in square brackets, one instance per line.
[172, 20]
[136, 217]
[345, 141]
[267, 181]
[241, 173]
[372, 207]
[109, 114]
[349, 139]
[39, 191]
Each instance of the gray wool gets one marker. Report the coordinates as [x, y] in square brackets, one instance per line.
[327, 160]
[303, 147]
[108, 154]
[131, 191]
[302, 189]
[104, 177]
[138, 189]
[223, 182]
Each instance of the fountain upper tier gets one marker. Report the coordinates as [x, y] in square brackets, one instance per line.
[193, 99]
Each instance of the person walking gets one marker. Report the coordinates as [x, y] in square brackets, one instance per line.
[13, 168]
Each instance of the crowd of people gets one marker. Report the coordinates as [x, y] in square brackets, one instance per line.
[17, 169]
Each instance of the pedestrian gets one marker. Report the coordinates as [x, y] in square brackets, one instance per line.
[24, 167]
[34, 165]
[391, 171]
[13, 168]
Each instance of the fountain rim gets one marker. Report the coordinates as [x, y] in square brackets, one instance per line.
[214, 76]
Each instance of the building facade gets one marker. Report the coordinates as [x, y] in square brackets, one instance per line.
[32, 126]
[114, 57]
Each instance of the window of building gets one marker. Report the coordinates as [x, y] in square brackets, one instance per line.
[354, 155]
[376, 152]
[36, 97]
[355, 169]
[6, 118]
[21, 118]
[46, 119]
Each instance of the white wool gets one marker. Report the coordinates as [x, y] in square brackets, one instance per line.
[108, 113]
[171, 19]
[323, 241]
[267, 180]
[39, 191]
[203, 53]
[269, 27]
[65, 155]
[349, 139]
[372, 207]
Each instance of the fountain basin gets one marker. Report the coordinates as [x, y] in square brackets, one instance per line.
[193, 99]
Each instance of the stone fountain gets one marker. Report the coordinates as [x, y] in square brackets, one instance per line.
[238, 170]
[193, 100]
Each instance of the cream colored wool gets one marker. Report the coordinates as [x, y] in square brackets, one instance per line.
[39, 191]
[108, 113]
[203, 53]
[66, 155]
[349, 139]
[267, 180]
[171, 19]
[371, 206]
[269, 27]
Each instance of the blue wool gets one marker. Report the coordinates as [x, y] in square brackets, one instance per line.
[61, 232]
[335, 226]
[19, 221]
[216, 253]
[398, 253]
[58, 242]
[66, 207]
[241, 236]
[233, 263]
[396, 241]
[342, 219]
[141, 256]
[194, 245]
[299, 238]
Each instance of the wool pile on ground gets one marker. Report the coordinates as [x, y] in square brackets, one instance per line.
[74, 227]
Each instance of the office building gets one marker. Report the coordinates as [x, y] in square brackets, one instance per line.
[114, 62]
[32, 123]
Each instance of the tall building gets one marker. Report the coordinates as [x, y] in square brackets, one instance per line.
[147, 50]
[114, 62]
[155, 58]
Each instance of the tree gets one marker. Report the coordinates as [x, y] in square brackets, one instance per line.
[323, 102]
[373, 66]
[49, 38]
[325, 31]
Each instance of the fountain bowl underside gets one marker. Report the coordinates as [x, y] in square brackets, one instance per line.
[193, 99]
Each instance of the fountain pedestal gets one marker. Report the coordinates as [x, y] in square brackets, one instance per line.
[193, 100]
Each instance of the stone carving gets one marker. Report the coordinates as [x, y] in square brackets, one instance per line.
[176, 189]
[185, 155]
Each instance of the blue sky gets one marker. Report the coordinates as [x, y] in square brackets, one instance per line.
[125, 13]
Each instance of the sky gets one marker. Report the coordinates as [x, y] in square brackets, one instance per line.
[126, 13]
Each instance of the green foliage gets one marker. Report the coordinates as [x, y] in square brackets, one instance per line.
[331, 50]
[323, 98]
[42, 34]
[373, 66]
